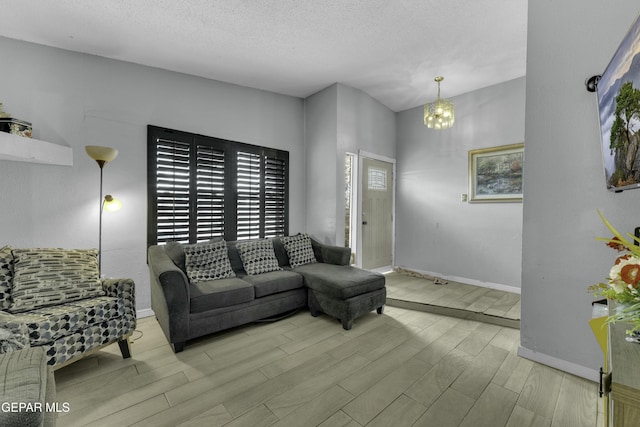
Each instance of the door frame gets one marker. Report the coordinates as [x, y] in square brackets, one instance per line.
[356, 217]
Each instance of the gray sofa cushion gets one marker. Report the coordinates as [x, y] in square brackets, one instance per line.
[234, 258]
[340, 281]
[176, 253]
[281, 252]
[219, 293]
[274, 282]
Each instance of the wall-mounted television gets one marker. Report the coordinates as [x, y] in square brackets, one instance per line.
[618, 92]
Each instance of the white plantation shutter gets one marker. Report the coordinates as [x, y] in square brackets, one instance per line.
[202, 187]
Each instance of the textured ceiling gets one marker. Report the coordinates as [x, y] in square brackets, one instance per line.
[390, 49]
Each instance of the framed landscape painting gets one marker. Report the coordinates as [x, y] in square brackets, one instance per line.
[495, 174]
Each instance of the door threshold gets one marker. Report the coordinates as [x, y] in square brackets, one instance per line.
[384, 270]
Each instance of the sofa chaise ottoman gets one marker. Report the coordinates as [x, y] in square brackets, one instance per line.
[194, 292]
[343, 292]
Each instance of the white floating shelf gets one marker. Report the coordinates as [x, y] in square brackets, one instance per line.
[22, 149]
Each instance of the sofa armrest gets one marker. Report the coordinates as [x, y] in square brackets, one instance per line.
[170, 296]
[14, 334]
[328, 254]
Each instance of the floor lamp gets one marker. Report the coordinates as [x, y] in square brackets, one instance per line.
[102, 156]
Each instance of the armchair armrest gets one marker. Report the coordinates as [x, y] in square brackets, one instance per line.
[170, 296]
[120, 288]
[14, 334]
[125, 291]
[328, 254]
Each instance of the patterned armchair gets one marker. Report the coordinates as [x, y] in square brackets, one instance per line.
[53, 298]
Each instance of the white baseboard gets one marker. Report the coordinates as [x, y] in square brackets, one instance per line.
[145, 312]
[563, 365]
[474, 282]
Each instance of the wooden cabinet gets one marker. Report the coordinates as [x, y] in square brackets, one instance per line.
[624, 365]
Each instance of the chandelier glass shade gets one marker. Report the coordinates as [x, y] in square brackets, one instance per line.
[439, 114]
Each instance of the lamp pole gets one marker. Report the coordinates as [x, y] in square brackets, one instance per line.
[101, 164]
[102, 155]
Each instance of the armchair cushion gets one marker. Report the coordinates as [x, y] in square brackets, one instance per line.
[44, 277]
[47, 324]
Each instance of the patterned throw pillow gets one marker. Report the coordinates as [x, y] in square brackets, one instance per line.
[258, 257]
[299, 249]
[6, 277]
[44, 277]
[208, 261]
[176, 252]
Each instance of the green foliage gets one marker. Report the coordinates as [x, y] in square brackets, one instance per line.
[626, 119]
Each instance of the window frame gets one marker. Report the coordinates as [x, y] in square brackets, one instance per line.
[260, 225]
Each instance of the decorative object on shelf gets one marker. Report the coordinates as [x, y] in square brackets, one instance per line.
[14, 126]
[102, 156]
[623, 281]
[440, 113]
[495, 174]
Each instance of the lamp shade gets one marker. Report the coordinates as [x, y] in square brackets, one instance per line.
[111, 204]
[101, 154]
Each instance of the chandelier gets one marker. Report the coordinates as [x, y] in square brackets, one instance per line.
[439, 114]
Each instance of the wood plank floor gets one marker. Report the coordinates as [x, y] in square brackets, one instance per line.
[401, 368]
[454, 299]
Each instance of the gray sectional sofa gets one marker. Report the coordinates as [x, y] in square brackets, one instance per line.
[268, 278]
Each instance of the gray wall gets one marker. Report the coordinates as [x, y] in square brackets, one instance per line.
[363, 124]
[321, 112]
[564, 183]
[76, 100]
[340, 119]
[477, 243]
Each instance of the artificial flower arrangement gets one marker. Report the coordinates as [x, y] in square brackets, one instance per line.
[624, 279]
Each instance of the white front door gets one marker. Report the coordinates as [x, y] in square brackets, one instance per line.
[376, 183]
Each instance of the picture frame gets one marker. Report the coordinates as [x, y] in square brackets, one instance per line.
[495, 174]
